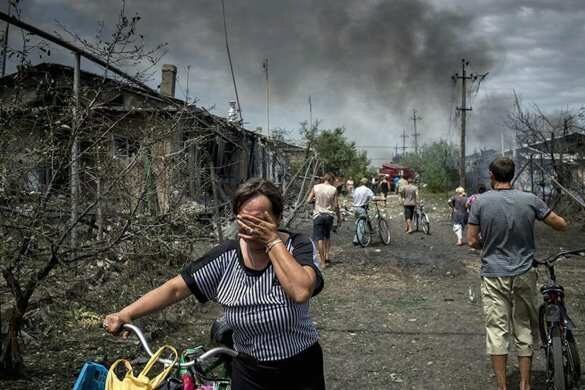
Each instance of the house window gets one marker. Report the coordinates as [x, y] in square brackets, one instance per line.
[123, 147]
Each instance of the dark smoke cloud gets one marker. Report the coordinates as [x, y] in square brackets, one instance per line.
[490, 122]
[395, 53]
[367, 64]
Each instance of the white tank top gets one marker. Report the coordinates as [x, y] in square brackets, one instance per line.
[324, 199]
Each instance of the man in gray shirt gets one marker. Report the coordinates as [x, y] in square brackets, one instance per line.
[504, 219]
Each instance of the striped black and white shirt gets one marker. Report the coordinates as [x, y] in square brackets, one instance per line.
[267, 324]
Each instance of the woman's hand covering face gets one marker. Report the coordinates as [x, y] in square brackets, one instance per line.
[263, 229]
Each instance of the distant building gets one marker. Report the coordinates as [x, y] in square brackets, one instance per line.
[477, 169]
[538, 165]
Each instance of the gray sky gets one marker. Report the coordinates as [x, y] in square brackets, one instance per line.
[365, 63]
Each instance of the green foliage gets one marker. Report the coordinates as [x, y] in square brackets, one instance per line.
[280, 135]
[436, 164]
[339, 155]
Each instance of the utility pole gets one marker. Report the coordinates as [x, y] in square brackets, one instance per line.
[396, 153]
[416, 134]
[310, 114]
[75, 176]
[463, 77]
[404, 137]
[5, 44]
[227, 48]
[265, 67]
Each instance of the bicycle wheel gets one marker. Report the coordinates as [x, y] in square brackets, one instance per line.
[426, 224]
[362, 230]
[415, 221]
[573, 362]
[557, 359]
[384, 231]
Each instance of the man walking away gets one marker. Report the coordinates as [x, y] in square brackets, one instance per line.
[326, 207]
[394, 186]
[409, 196]
[384, 187]
[400, 184]
[458, 213]
[374, 183]
[361, 197]
[504, 218]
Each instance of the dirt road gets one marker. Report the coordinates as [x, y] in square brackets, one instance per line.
[408, 315]
[403, 316]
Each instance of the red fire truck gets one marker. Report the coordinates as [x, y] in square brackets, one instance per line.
[393, 170]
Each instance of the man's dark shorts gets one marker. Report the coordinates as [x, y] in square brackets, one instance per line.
[322, 226]
[408, 212]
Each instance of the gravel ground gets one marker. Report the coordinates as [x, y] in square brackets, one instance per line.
[403, 316]
[408, 315]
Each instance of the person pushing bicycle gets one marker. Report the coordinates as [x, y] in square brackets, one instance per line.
[264, 280]
[505, 218]
[410, 198]
[361, 197]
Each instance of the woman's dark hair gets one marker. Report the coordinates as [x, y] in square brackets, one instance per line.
[503, 169]
[481, 189]
[258, 186]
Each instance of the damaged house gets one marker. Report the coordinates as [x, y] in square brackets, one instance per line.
[545, 167]
[192, 154]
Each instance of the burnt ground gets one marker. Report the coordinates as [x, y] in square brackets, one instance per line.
[403, 316]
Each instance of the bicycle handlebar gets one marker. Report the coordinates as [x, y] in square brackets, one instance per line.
[553, 258]
[205, 356]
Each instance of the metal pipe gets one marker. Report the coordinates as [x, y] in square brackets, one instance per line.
[5, 44]
[32, 29]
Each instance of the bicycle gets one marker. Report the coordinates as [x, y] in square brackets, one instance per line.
[364, 229]
[201, 366]
[563, 366]
[421, 218]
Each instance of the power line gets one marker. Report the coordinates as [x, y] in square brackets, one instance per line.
[374, 146]
[452, 111]
[227, 47]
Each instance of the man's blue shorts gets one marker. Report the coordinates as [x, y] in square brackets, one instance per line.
[322, 225]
